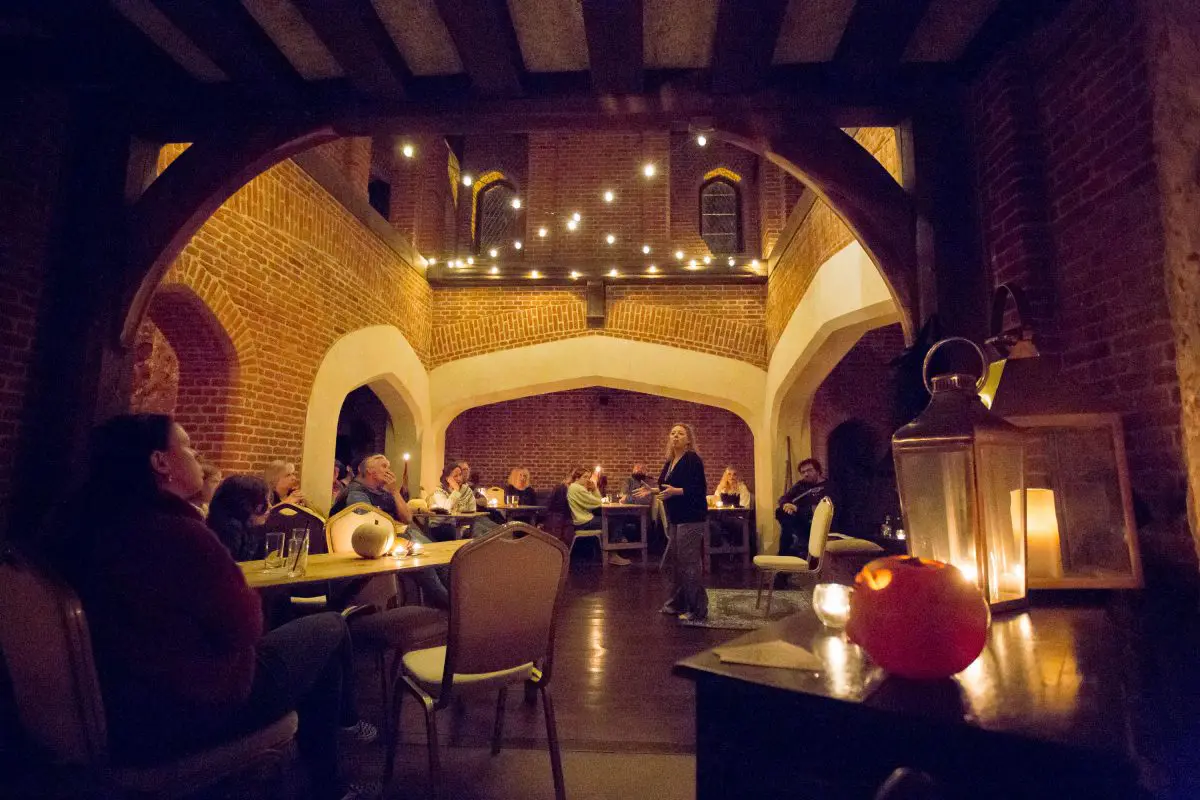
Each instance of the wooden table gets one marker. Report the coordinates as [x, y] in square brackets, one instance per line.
[520, 512]
[427, 519]
[642, 512]
[1045, 712]
[721, 514]
[337, 566]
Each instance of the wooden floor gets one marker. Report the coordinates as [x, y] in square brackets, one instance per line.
[626, 725]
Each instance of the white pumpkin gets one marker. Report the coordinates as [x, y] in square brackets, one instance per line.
[372, 539]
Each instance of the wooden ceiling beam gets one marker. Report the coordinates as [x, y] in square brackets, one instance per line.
[1009, 21]
[615, 45]
[877, 35]
[228, 35]
[353, 33]
[487, 44]
[744, 44]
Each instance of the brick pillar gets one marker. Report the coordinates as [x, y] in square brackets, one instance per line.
[351, 156]
[1173, 42]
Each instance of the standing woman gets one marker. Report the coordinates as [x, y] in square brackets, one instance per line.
[683, 491]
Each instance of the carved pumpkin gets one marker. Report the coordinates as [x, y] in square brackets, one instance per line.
[371, 539]
[917, 618]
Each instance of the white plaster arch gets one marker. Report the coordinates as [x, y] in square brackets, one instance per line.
[380, 357]
[596, 360]
[847, 298]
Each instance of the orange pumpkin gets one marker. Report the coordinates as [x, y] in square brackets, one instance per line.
[917, 618]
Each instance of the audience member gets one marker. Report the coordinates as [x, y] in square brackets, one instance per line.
[340, 479]
[796, 506]
[176, 632]
[455, 496]
[731, 492]
[212, 477]
[284, 483]
[585, 504]
[238, 510]
[518, 486]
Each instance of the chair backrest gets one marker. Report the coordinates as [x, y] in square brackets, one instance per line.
[417, 504]
[287, 517]
[505, 590]
[341, 526]
[494, 493]
[48, 650]
[818, 532]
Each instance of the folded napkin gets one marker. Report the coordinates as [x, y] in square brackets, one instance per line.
[775, 653]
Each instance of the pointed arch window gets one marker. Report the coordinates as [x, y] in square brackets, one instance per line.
[495, 218]
[721, 216]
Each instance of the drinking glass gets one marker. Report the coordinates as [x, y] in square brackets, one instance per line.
[273, 559]
[297, 555]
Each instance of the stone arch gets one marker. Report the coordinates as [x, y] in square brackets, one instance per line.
[381, 358]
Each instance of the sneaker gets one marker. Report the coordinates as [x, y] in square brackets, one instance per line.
[368, 790]
[688, 616]
[361, 732]
[619, 560]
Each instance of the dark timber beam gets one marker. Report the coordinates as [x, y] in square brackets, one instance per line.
[228, 35]
[357, 38]
[877, 36]
[1010, 20]
[745, 43]
[483, 32]
[615, 47]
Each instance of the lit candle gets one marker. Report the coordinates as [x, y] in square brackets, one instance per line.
[1044, 547]
[831, 601]
[720, 504]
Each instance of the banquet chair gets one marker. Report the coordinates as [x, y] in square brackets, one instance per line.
[47, 647]
[288, 517]
[505, 591]
[339, 529]
[558, 522]
[818, 533]
[494, 493]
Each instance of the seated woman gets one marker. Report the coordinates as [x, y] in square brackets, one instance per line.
[518, 486]
[585, 504]
[732, 492]
[176, 632]
[455, 496]
[284, 483]
[238, 510]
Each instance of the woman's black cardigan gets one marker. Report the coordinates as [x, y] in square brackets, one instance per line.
[692, 505]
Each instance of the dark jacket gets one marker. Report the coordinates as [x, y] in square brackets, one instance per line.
[528, 495]
[242, 542]
[692, 505]
[359, 492]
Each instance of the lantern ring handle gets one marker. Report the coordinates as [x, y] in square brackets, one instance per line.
[950, 340]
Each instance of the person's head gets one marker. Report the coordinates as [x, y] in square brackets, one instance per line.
[729, 477]
[681, 439]
[452, 476]
[212, 477]
[638, 470]
[373, 470]
[576, 474]
[241, 499]
[141, 454]
[281, 479]
[518, 478]
[810, 471]
[339, 470]
[465, 469]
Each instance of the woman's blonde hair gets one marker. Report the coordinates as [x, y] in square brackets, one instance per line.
[728, 469]
[272, 474]
[516, 473]
[691, 443]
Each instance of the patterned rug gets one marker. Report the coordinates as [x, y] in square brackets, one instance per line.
[734, 609]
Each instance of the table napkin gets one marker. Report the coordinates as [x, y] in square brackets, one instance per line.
[775, 653]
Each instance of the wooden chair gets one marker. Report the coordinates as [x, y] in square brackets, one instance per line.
[558, 522]
[341, 526]
[47, 646]
[494, 493]
[287, 517]
[818, 533]
[505, 590]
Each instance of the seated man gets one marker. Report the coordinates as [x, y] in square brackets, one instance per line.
[585, 503]
[376, 485]
[638, 479]
[795, 509]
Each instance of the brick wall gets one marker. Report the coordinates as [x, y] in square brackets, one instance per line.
[1092, 221]
[820, 235]
[33, 144]
[689, 164]
[551, 433]
[720, 319]
[284, 271]
[155, 372]
[422, 202]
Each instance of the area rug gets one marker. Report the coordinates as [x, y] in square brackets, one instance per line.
[734, 609]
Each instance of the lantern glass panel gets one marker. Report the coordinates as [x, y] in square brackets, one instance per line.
[1001, 472]
[939, 515]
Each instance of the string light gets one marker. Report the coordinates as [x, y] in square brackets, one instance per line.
[518, 244]
[577, 216]
[646, 249]
[494, 270]
[535, 274]
[702, 140]
[467, 180]
[516, 202]
[612, 273]
[732, 262]
[470, 260]
[493, 252]
[692, 264]
[574, 275]
[572, 224]
[708, 259]
[649, 170]
[408, 151]
[542, 233]
[679, 255]
[431, 261]
[754, 264]
[609, 196]
[652, 269]
[610, 239]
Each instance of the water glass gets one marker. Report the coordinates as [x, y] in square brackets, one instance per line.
[297, 555]
[273, 559]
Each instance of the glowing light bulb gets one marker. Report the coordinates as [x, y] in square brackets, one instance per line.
[516, 202]
[652, 269]
[542, 233]
[702, 140]
[646, 249]
[754, 264]
[574, 274]
[471, 260]
[576, 216]
[679, 255]
[518, 244]
[572, 224]
[708, 259]
[535, 274]
[732, 262]
[493, 252]
[431, 261]
[692, 264]
[612, 273]
[467, 180]
[408, 151]
[494, 270]
[609, 196]
[610, 239]
[649, 170]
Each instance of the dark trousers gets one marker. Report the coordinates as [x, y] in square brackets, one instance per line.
[687, 568]
[793, 533]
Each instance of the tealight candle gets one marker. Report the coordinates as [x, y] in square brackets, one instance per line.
[401, 549]
[416, 549]
[831, 601]
[493, 503]
[720, 504]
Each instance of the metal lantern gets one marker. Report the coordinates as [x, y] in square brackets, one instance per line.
[957, 469]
